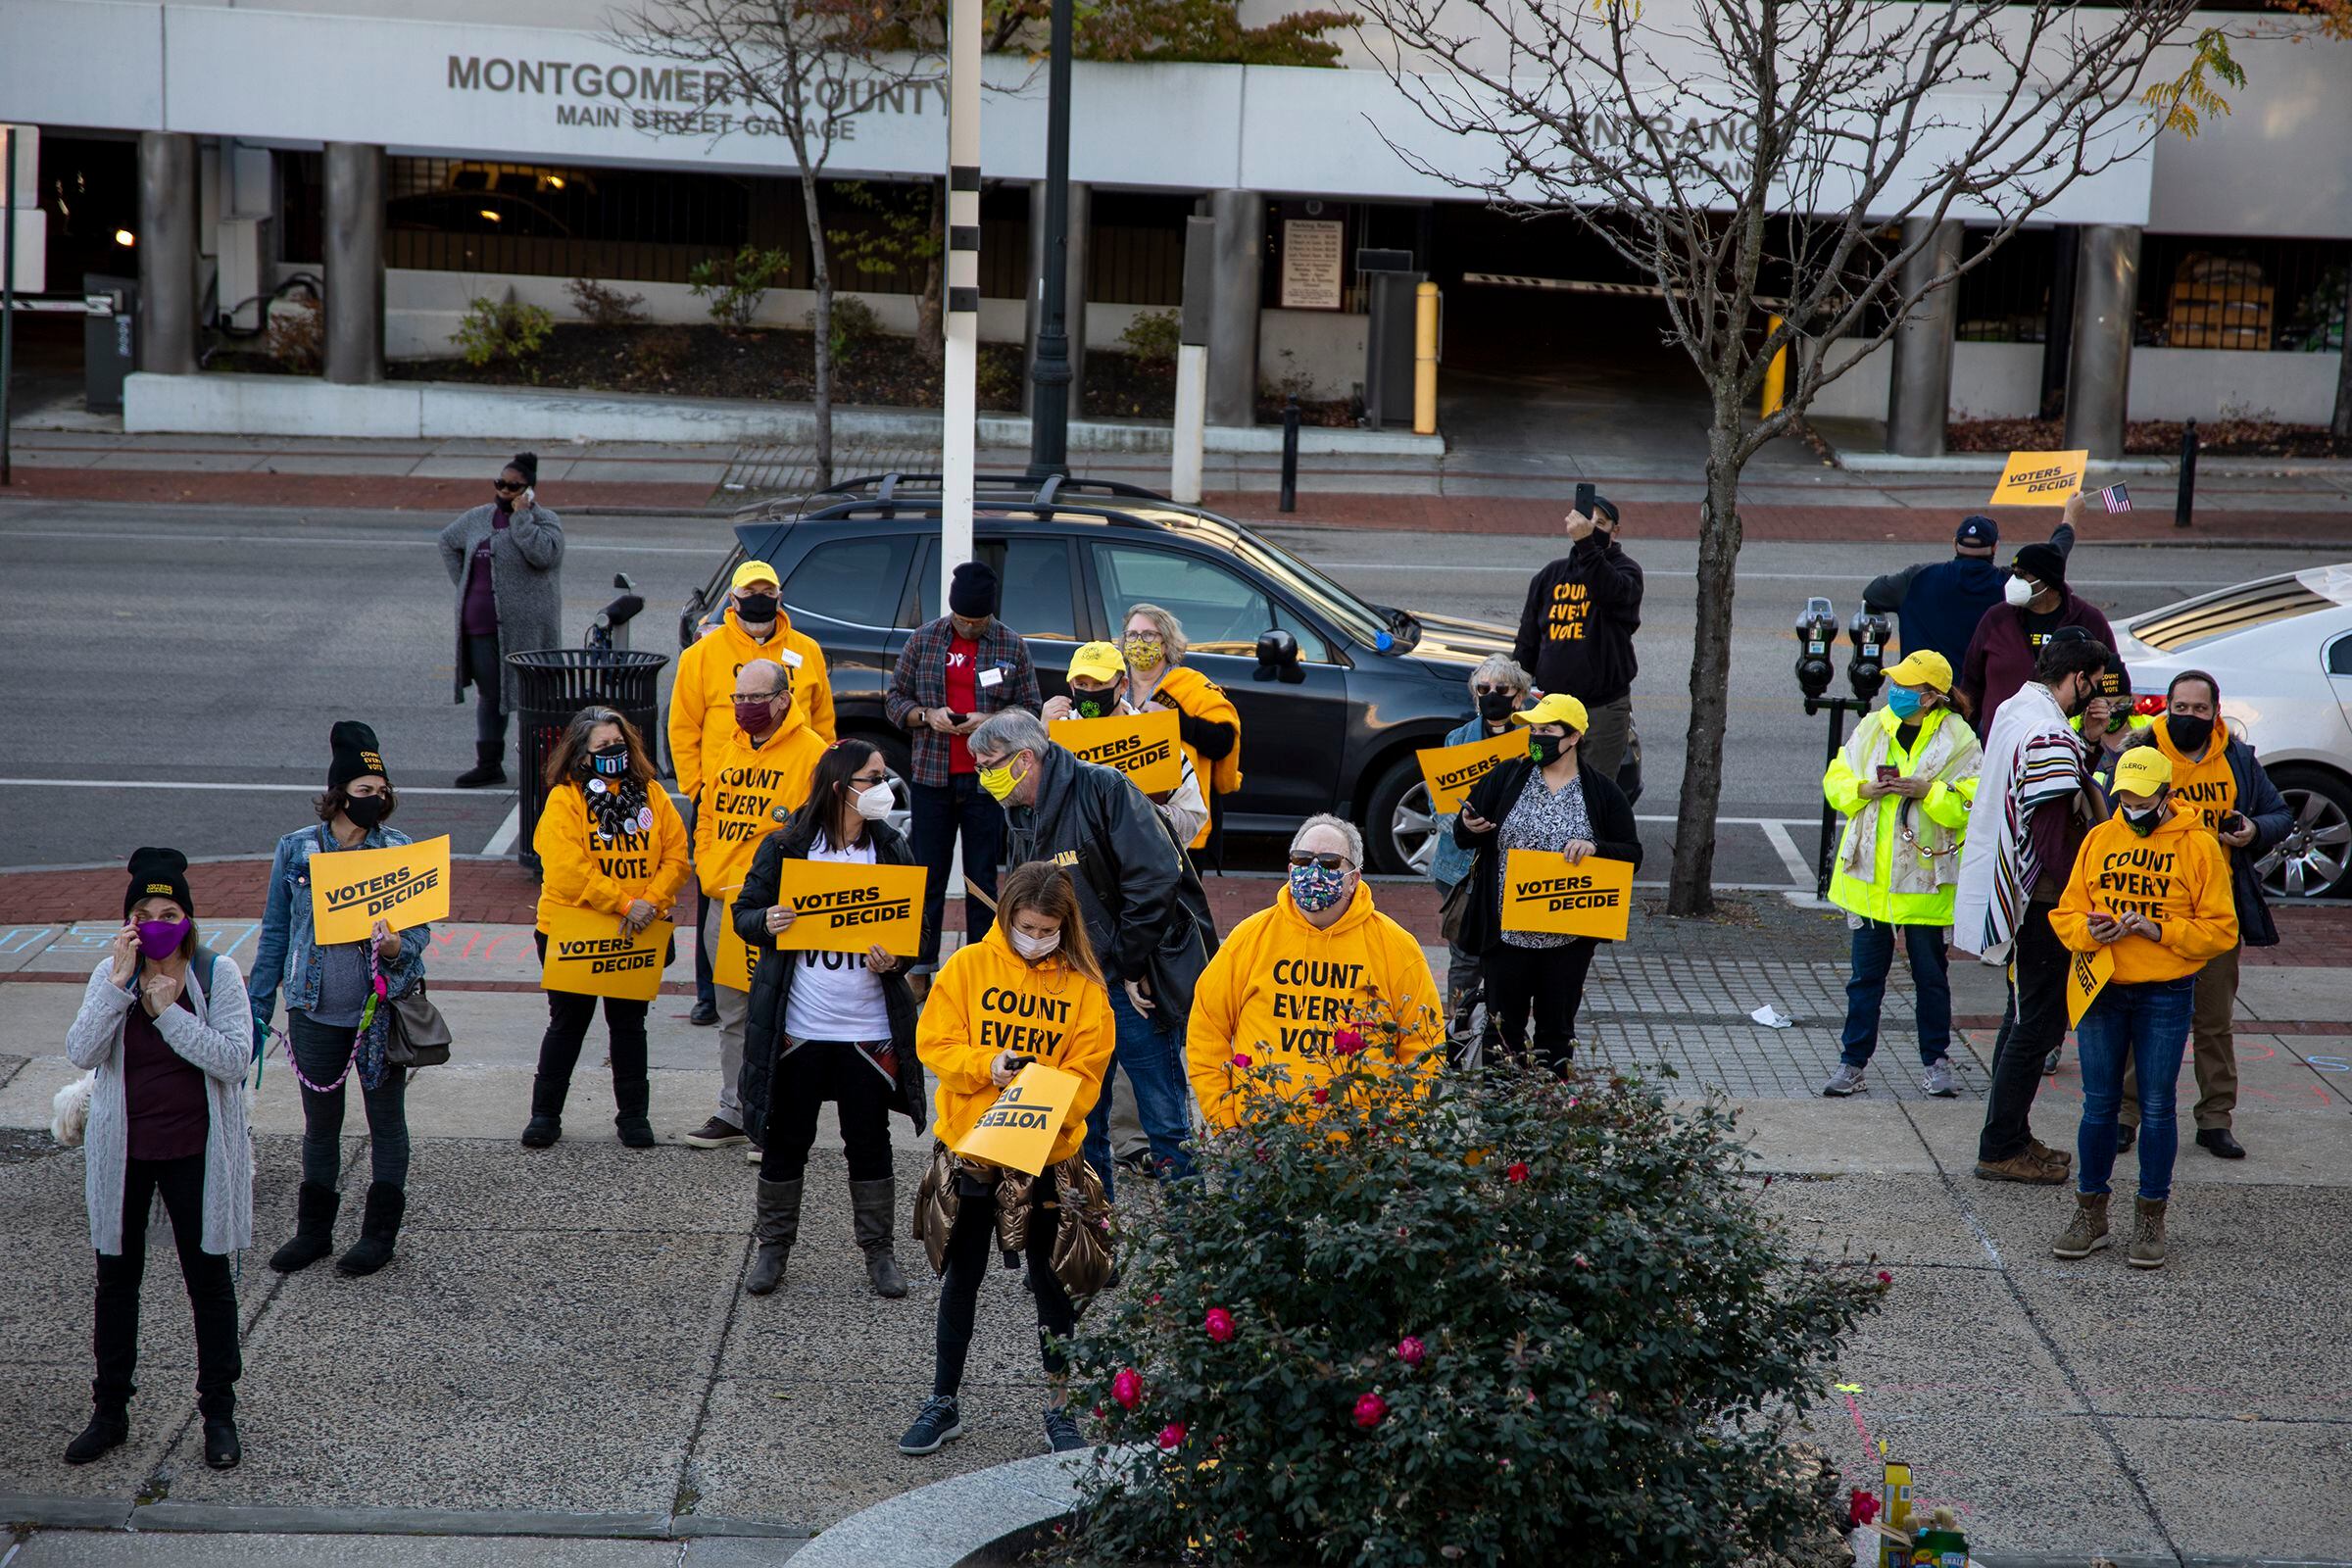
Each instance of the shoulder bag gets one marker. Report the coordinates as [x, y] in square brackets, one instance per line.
[418, 1035]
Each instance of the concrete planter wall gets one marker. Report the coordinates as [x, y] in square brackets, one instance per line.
[2003, 381]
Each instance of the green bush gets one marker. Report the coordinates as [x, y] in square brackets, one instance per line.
[1152, 336]
[1507, 1320]
[854, 325]
[502, 330]
[734, 285]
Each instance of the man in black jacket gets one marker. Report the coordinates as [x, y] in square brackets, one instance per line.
[1144, 908]
[1576, 634]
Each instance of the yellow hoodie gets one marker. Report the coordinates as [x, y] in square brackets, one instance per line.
[744, 789]
[986, 999]
[1278, 988]
[588, 873]
[2205, 786]
[702, 696]
[2176, 877]
[1198, 697]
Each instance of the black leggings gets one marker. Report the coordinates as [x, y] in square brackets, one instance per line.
[805, 1077]
[1547, 981]
[970, 1245]
[486, 673]
[569, 1015]
[212, 1291]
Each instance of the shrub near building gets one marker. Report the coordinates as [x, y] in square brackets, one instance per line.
[1501, 1319]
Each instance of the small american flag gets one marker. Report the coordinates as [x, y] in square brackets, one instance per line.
[2116, 498]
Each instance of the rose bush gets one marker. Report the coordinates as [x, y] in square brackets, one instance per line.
[1484, 1318]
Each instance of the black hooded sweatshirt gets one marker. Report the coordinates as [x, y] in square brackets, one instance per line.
[1576, 634]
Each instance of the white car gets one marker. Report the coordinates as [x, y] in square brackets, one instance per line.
[2281, 649]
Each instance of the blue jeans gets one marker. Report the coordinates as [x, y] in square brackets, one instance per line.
[1930, 983]
[935, 815]
[1153, 1053]
[2147, 1024]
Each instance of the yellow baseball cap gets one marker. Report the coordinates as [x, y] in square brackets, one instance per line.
[1923, 668]
[752, 571]
[1558, 707]
[2143, 770]
[1100, 661]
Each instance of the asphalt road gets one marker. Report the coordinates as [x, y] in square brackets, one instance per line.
[172, 671]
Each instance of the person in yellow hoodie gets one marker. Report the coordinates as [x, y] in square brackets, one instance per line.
[1208, 724]
[756, 777]
[1904, 783]
[611, 841]
[2151, 889]
[1031, 990]
[752, 625]
[1295, 985]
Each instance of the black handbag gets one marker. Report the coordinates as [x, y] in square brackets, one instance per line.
[418, 1035]
[1457, 906]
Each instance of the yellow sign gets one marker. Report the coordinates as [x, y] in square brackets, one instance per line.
[1543, 892]
[1450, 770]
[2086, 976]
[848, 908]
[590, 954]
[1017, 1132]
[2039, 479]
[1142, 746]
[402, 885]
[733, 958]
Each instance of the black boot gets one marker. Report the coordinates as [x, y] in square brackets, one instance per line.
[871, 1206]
[377, 1230]
[629, 1102]
[489, 768]
[110, 1426]
[222, 1450]
[776, 1227]
[314, 1228]
[547, 1111]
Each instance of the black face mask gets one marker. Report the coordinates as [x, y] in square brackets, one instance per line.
[755, 610]
[2144, 820]
[1495, 706]
[612, 762]
[1094, 705]
[2190, 736]
[365, 810]
[1546, 748]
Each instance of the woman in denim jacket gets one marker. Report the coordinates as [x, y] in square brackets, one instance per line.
[337, 1021]
[1498, 688]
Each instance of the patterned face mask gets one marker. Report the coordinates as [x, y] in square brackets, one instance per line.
[1315, 888]
[1145, 652]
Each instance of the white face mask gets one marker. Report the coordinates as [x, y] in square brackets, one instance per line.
[2019, 592]
[1032, 947]
[874, 801]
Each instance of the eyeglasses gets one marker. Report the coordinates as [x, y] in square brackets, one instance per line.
[1329, 862]
[1484, 690]
[746, 698]
[869, 780]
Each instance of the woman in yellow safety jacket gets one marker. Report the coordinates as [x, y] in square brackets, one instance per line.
[1207, 721]
[609, 841]
[1904, 784]
[1030, 991]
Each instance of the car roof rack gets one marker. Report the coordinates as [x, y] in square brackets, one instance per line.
[877, 507]
[884, 486]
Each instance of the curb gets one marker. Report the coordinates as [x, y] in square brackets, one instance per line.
[57, 1512]
[983, 1516]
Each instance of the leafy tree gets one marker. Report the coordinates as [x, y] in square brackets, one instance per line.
[1209, 30]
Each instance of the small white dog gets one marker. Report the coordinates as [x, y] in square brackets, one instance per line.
[70, 1110]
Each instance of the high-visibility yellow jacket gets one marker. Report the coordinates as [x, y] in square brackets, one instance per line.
[583, 870]
[989, 999]
[744, 791]
[1898, 859]
[1278, 989]
[702, 696]
[2176, 877]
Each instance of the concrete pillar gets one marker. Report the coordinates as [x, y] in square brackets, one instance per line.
[1919, 392]
[166, 252]
[355, 263]
[2099, 376]
[1082, 209]
[1240, 220]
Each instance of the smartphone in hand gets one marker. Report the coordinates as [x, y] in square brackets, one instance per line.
[1888, 772]
[1584, 495]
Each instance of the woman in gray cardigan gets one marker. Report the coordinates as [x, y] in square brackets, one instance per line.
[164, 1024]
[506, 560]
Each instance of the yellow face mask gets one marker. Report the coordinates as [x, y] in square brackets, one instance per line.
[1001, 782]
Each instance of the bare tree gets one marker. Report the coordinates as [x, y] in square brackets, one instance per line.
[1676, 130]
[808, 66]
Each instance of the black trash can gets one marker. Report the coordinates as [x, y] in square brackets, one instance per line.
[553, 684]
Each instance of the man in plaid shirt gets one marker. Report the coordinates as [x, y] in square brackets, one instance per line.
[954, 672]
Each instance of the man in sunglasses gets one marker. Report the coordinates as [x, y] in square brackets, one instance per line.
[1320, 982]
[506, 558]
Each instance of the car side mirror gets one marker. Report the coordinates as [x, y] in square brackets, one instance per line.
[1278, 657]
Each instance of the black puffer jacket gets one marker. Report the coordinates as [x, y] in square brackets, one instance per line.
[1615, 837]
[771, 982]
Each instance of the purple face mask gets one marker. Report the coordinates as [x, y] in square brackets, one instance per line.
[160, 938]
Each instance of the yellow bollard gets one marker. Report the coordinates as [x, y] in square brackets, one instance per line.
[1425, 360]
[1776, 376]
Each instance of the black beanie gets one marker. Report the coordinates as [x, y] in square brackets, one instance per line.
[159, 873]
[972, 591]
[354, 754]
[526, 464]
[2043, 562]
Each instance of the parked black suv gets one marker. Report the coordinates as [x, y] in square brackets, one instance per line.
[1334, 694]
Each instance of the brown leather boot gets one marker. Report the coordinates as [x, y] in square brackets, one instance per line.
[2087, 1232]
[2147, 1236]
[2022, 1166]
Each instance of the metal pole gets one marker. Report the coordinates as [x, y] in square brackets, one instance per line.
[8, 304]
[1290, 454]
[961, 400]
[1050, 408]
[2184, 500]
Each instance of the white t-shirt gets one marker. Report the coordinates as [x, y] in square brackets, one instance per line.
[834, 996]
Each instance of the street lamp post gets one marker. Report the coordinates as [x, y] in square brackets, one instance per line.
[1050, 408]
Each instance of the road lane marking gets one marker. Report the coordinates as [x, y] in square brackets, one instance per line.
[508, 832]
[1776, 833]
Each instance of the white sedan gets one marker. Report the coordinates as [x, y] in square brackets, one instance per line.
[2281, 649]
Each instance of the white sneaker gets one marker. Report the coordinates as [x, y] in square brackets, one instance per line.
[1940, 1080]
[1846, 1080]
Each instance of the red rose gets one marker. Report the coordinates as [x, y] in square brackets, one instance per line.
[1371, 1410]
[1411, 1352]
[1171, 1436]
[1862, 1507]
[1885, 1278]
[1321, 1096]
[1219, 1324]
[1240, 1060]
[1347, 1040]
[1517, 1172]
[1127, 1388]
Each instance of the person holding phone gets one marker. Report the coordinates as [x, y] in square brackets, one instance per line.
[1576, 633]
[1904, 784]
[2151, 887]
[506, 558]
